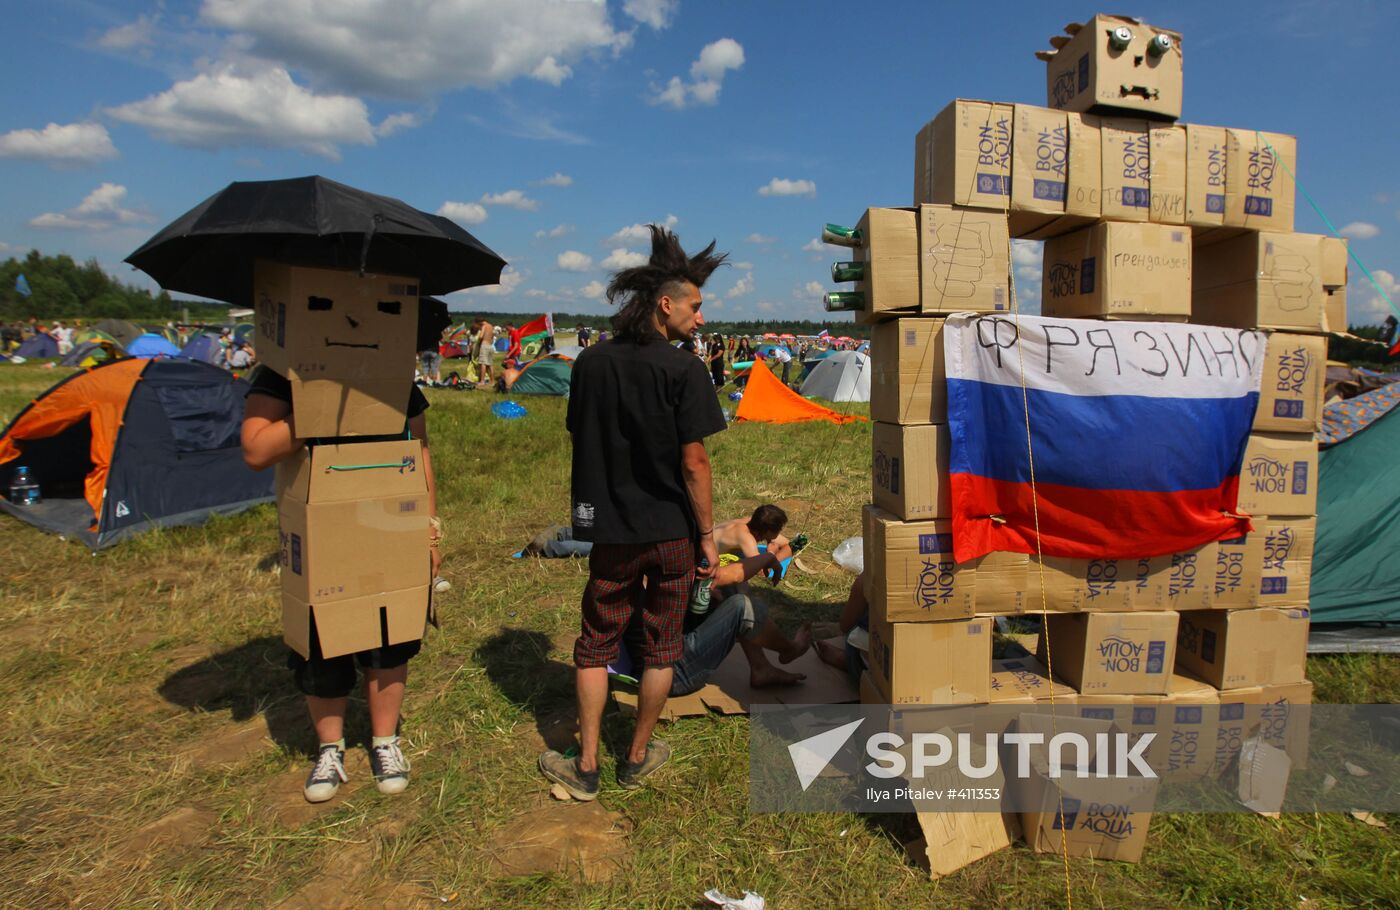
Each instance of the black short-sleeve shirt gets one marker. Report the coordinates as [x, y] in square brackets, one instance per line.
[631, 409]
[266, 382]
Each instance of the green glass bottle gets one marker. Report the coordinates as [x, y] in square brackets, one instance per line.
[841, 235]
[844, 301]
[848, 271]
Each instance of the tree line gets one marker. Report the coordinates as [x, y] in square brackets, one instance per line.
[60, 288]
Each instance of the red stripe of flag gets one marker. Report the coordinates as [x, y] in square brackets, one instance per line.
[1088, 524]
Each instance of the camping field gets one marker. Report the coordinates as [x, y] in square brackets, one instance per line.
[155, 748]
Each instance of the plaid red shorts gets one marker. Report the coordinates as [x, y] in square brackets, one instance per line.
[647, 584]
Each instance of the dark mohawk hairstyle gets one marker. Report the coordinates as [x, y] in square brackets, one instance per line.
[638, 289]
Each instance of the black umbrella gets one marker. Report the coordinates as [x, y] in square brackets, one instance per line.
[310, 221]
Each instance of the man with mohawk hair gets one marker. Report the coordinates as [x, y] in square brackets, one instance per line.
[639, 411]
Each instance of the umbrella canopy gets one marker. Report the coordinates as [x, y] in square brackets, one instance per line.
[310, 221]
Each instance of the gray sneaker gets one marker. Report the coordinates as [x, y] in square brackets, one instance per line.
[390, 767]
[630, 776]
[565, 772]
[327, 776]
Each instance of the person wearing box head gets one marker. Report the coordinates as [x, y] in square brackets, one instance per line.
[267, 439]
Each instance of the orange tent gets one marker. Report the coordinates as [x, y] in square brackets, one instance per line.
[767, 400]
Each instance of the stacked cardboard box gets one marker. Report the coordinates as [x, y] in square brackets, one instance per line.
[353, 516]
[1144, 218]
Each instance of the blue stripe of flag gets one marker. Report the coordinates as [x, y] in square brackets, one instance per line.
[1106, 442]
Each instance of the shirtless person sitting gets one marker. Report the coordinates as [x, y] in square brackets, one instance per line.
[741, 536]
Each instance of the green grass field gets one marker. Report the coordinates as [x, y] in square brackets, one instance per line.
[156, 747]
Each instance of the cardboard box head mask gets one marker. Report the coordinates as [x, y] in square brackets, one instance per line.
[345, 341]
[1113, 62]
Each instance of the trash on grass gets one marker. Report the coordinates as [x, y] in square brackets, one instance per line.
[850, 555]
[749, 901]
[508, 410]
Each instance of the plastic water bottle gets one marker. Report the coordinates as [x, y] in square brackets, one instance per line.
[700, 592]
[24, 491]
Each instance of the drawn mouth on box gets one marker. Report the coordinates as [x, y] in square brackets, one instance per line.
[350, 344]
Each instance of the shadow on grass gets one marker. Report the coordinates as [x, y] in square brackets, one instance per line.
[250, 679]
[518, 663]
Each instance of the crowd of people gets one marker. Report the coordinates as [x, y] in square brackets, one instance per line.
[234, 353]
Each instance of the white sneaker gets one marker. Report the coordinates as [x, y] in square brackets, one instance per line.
[390, 767]
[325, 779]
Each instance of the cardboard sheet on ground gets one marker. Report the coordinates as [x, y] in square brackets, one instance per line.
[729, 692]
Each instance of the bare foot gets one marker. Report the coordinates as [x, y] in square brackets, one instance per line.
[769, 675]
[800, 643]
[831, 654]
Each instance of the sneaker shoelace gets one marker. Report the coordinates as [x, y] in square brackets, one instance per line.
[329, 767]
[391, 760]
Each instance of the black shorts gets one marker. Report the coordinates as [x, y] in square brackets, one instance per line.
[334, 677]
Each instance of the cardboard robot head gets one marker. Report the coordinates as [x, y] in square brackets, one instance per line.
[1114, 63]
[345, 341]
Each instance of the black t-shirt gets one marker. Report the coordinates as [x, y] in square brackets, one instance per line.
[266, 382]
[631, 409]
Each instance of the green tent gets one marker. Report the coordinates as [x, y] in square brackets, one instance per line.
[546, 376]
[1358, 511]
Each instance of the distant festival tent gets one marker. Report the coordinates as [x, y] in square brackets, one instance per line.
[204, 347]
[119, 329]
[152, 345]
[42, 344]
[843, 376]
[767, 400]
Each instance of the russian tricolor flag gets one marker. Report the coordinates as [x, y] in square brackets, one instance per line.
[1136, 434]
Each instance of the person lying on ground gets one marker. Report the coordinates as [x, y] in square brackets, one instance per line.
[854, 615]
[741, 536]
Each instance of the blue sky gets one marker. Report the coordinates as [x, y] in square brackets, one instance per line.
[551, 128]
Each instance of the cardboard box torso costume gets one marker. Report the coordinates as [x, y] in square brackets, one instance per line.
[352, 516]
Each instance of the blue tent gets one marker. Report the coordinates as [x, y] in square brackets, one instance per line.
[203, 347]
[41, 345]
[767, 349]
[152, 345]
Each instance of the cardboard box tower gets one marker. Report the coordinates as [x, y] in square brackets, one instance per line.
[352, 515]
[1186, 223]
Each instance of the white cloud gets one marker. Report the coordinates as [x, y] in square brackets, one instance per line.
[555, 179]
[513, 199]
[814, 245]
[574, 261]
[1365, 305]
[812, 290]
[1027, 262]
[132, 35]
[396, 122]
[463, 212]
[638, 233]
[418, 47]
[656, 13]
[101, 209]
[621, 258]
[536, 292]
[69, 143]
[706, 77]
[742, 266]
[552, 71]
[232, 105]
[510, 280]
[559, 230]
[766, 306]
[594, 290]
[779, 186]
[760, 239]
[1359, 230]
[741, 287]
